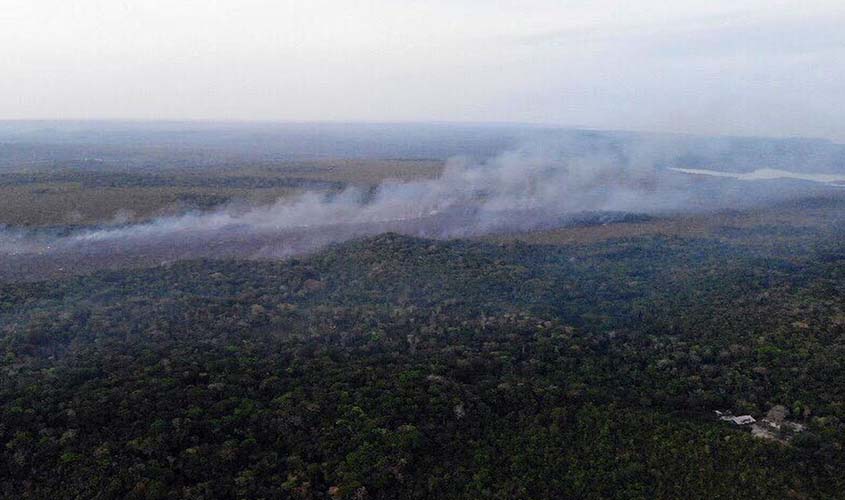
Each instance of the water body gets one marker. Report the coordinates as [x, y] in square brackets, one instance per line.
[763, 174]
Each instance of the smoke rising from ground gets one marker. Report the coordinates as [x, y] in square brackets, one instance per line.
[535, 186]
[468, 198]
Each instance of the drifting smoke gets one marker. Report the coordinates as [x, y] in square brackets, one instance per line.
[529, 188]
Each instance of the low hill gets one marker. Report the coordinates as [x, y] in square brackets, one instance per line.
[397, 367]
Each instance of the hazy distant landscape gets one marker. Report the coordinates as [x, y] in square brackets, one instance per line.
[151, 193]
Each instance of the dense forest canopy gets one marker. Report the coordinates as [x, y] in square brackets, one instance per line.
[396, 367]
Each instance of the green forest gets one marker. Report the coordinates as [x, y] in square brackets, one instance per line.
[395, 367]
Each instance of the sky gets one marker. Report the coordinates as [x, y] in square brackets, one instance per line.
[738, 67]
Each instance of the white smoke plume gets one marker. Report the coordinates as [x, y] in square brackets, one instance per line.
[533, 187]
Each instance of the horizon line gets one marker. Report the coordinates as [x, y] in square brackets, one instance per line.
[453, 123]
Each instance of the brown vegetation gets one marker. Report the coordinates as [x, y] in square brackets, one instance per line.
[81, 197]
[724, 225]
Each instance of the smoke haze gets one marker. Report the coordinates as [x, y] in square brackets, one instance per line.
[539, 185]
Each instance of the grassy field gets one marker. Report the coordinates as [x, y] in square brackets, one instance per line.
[788, 217]
[67, 196]
[354, 172]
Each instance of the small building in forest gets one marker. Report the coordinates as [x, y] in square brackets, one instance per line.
[740, 420]
[737, 420]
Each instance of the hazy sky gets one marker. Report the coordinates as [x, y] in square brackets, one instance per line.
[759, 67]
